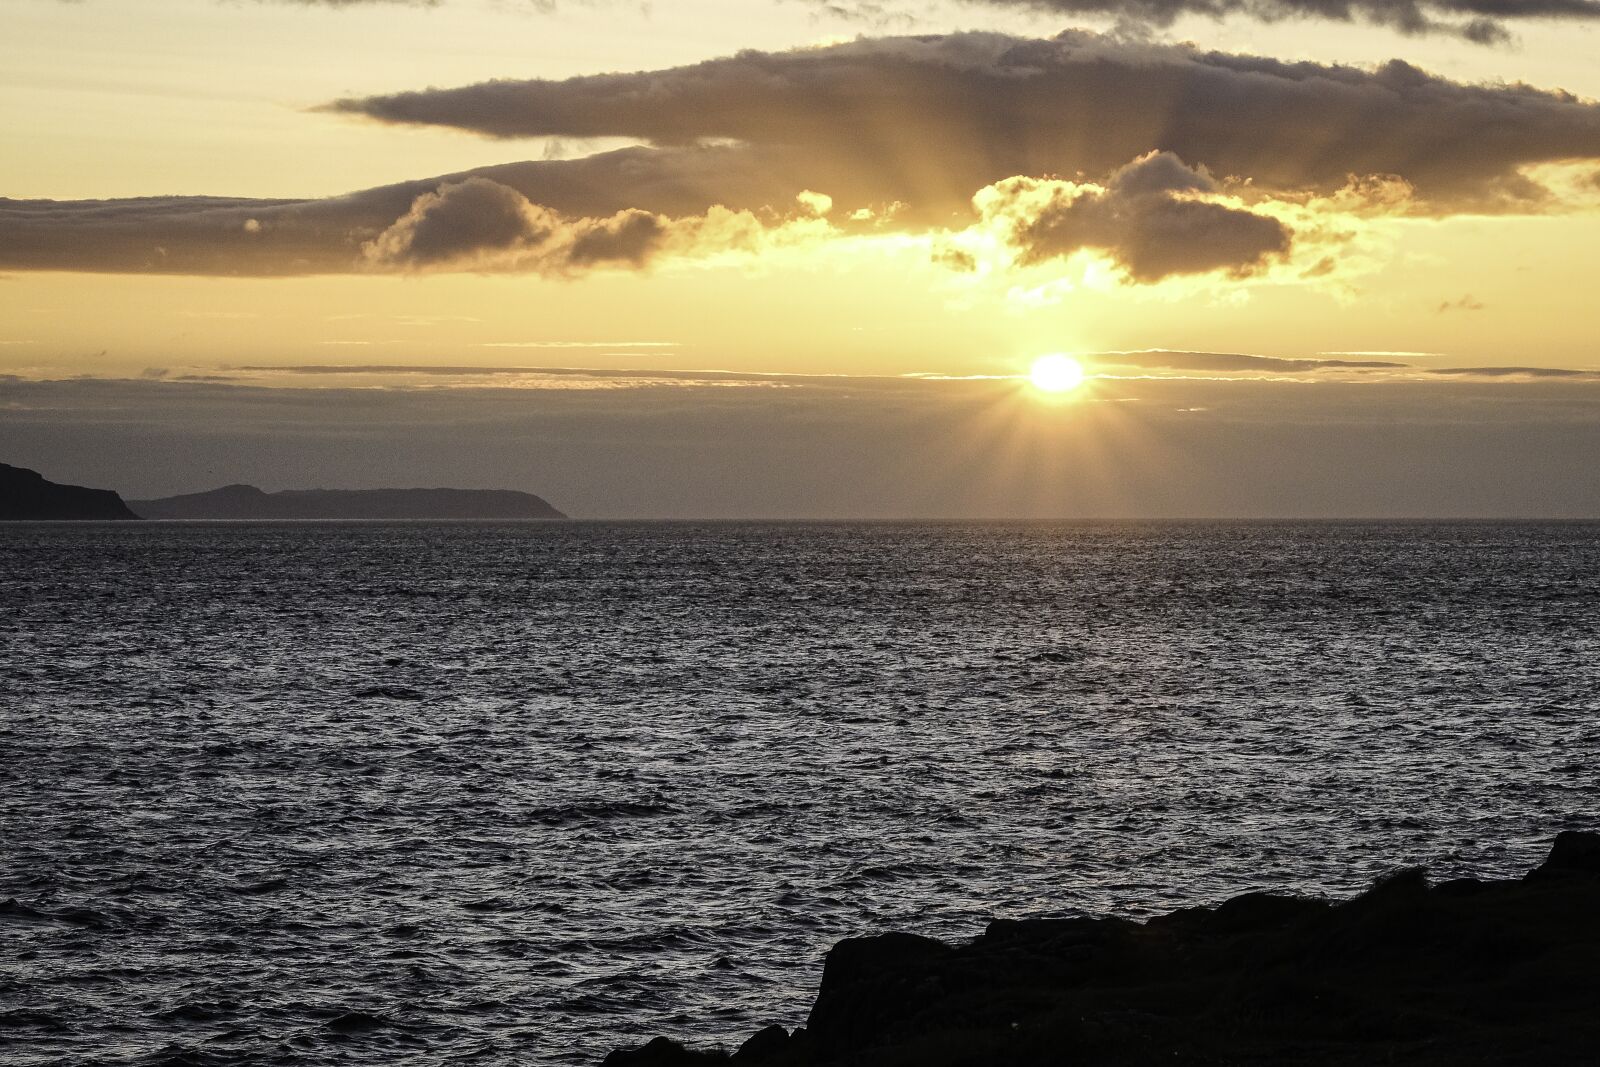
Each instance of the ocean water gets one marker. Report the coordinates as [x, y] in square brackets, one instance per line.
[518, 794]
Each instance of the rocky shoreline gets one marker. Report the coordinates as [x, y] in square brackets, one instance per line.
[1409, 972]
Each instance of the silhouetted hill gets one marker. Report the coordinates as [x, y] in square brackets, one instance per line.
[1464, 972]
[25, 494]
[248, 502]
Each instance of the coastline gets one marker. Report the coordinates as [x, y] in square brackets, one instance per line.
[1460, 972]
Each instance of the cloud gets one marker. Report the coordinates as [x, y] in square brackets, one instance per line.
[463, 221]
[878, 135]
[1464, 303]
[928, 120]
[818, 204]
[579, 344]
[478, 223]
[1204, 365]
[1518, 372]
[471, 221]
[628, 237]
[1225, 362]
[1146, 218]
[1479, 21]
[656, 375]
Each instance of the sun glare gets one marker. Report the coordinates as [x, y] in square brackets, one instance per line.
[1056, 373]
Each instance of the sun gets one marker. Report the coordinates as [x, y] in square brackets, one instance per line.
[1056, 373]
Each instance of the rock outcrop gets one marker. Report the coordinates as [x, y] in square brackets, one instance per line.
[26, 494]
[248, 502]
[1462, 972]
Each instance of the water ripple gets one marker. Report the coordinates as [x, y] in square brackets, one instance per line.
[309, 794]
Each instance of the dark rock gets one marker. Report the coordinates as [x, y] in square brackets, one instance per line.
[1046, 930]
[1263, 911]
[1576, 852]
[25, 494]
[763, 1045]
[873, 985]
[661, 1052]
[1406, 884]
[248, 502]
[857, 958]
[1467, 972]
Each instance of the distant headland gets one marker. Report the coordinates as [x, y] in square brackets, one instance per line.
[248, 502]
[27, 494]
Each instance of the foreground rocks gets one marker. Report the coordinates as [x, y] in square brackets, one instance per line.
[1462, 972]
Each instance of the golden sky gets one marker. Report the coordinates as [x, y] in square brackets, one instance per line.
[338, 197]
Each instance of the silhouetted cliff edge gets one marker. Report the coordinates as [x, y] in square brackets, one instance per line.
[25, 494]
[1464, 972]
[248, 502]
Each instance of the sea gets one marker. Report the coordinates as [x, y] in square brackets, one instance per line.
[479, 793]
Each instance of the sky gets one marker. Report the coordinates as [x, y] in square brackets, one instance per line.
[795, 258]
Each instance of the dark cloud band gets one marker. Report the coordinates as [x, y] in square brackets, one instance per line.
[927, 120]
[897, 132]
[1480, 21]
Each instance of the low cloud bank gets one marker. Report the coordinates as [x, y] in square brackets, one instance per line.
[1139, 448]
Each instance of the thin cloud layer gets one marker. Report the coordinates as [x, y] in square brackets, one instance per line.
[1230, 362]
[1177, 363]
[1479, 21]
[892, 134]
